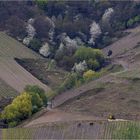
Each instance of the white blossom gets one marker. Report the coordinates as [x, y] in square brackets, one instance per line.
[44, 50]
[27, 40]
[30, 32]
[80, 67]
[70, 43]
[95, 32]
[52, 29]
[51, 34]
[30, 21]
[107, 14]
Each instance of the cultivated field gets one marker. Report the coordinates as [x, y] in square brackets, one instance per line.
[6, 91]
[10, 71]
[10, 48]
[77, 130]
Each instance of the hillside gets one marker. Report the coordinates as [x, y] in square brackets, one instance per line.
[10, 71]
[118, 89]
[70, 69]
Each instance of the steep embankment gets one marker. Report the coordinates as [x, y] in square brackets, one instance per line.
[10, 71]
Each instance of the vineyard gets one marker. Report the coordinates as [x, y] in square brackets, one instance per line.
[77, 130]
[10, 48]
[6, 90]
[10, 71]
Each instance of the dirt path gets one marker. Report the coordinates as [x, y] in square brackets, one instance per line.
[10, 71]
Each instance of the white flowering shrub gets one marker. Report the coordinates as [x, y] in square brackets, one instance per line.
[27, 40]
[68, 42]
[80, 67]
[44, 50]
[107, 14]
[95, 32]
[31, 32]
[67, 46]
[52, 29]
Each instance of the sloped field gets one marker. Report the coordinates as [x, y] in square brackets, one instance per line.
[125, 43]
[6, 91]
[11, 48]
[76, 130]
[10, 71]
[120, 99]
[133, 74]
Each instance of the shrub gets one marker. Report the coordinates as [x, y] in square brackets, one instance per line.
[67, 62]
[93, 64]
[12, 124]
[88, 75]
[80, 67]
[72, 80]
[133, 20]
[39, 91]
[16, 27]
[52, 65]
[36, 101]
[41, 3]
[93, 57]
[84, 53]
[42, 26]
[130, 22]
[18, 110]
[137, 18]
[35, 44]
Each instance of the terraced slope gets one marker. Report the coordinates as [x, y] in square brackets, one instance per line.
[10, 71]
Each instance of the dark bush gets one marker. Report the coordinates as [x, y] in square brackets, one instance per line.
[35, 44]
